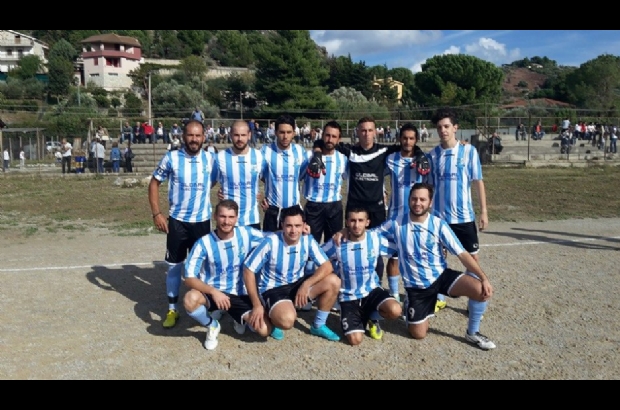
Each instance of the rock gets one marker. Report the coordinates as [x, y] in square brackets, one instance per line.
[118, 182]
[131, 183]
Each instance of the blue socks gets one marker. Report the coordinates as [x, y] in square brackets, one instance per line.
[321, 319]
[394, 282]
[201, 316]
[476, 311]
[173, 283]
[441, 298]
[376, 316]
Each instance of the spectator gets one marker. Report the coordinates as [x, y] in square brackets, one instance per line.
[22, 158]
[613, 140]
[149, 133]
[495, 144]
[222, 133]
[66, 150]
[160, 134]
[127, 133]
[537, 132]
[115, 158]
[138, 133]
[99, 154]
[424, 135]
[175, 144]
[129, 156]
[175, 130]
[6, 163]
[198, 115]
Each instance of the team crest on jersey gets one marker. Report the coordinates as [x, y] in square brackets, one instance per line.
[242, 250]
[255, 170]
[461, 163]
[373, 254]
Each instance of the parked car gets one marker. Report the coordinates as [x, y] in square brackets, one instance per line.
[52, 146]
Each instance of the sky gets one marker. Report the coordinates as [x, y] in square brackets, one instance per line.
[411, 48]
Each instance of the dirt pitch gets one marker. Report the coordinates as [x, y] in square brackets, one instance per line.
[89, 304]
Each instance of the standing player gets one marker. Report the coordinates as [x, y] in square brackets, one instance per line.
[274, 273]
[238, 170]
[214, 275]
[362, 299]
[366, 173]
[191, 177]
[324, 209]
[454, 168]
[406, 168]
[420, 242]
[284, 165]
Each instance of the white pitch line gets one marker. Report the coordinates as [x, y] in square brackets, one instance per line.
[118, 265]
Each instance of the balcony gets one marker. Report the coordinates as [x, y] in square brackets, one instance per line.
[23, 44]
[111, 54]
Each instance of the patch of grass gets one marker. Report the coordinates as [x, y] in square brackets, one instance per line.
[51, 229]
[31, 230]
[69, 227]
[513, 194]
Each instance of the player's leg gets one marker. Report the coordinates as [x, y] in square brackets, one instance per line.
[315, 219]
[393, 272]
[420, 307]
[353, 326]
[280, 307]
[270, 221]
[326, 294]
[468, 235]
[470, 286]
[334, 220]
[178, 245]
[240, 311]
[197, 306]
[377, 217]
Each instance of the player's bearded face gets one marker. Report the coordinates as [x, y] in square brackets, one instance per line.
[194, 139]
[419, 203]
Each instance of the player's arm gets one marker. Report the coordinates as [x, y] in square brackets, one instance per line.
[158, 217]
[482, 199]
[253, 264]
[324, 270]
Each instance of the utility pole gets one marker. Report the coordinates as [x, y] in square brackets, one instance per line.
[241, 102]
[150, 101]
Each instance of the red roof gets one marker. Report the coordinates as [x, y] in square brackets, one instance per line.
[112, 38]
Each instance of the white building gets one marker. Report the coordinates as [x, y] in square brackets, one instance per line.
[14, 46]
[109, 58]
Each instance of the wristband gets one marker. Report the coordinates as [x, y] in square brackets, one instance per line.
[156, 215]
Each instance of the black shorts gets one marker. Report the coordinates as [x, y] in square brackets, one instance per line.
[181, 238]
[422, 301]
[468, 235]
[271, 222]
[378, 215]
[275, 296]
[239, 307]
[325, 219]
[355, 315]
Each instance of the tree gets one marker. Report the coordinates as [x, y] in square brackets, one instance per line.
[232, 49]
[596, 83]
[171, 99]
[64, 50]
[28, 67]
[194, 67]
[60, 68]
[457, 79]
[351, 103]
[291, 72]
[343, 72]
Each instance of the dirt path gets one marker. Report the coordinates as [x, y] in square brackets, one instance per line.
[88, 305]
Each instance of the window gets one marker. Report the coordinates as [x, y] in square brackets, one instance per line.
[113, 62]
[113, 74]
[96, 60]
[9, 52]
[18, 39]
[117, 47]
[94, 75]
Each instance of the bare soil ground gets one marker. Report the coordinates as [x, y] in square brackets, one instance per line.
[89, 305]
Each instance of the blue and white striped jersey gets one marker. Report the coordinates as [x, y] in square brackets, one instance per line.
[356, 264]
[277, 264]
[190, 180]
[328, 188]
[402, 179]
[219, 263]
[420, 249]
[283, 171]
[239, 176]
[452, 172]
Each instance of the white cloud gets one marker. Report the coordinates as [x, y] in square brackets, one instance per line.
[354, 42]
[416, 68]
[492, 51]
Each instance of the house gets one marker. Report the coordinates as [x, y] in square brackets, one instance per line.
[14, 46]
[380, 82]
[109, 58]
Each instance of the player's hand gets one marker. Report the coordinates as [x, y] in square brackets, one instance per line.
[341, 237]
[220, 194]
[487, 290]
[307, 230]
[316, 167]
[303, 296]
[221, 300]
[265, 205]
[422, 164]
[484, 221]
[161, 224]
[257, 318]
